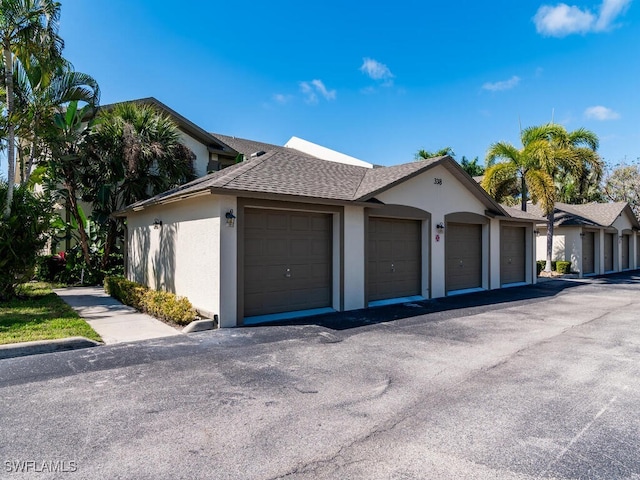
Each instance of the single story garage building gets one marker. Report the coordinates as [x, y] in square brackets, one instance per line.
[597, 238]
[285, 233]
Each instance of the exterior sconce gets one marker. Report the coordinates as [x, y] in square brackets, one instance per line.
[231, 218]
[537, 232]
[157, 223]
[582, 234]
[440, 227]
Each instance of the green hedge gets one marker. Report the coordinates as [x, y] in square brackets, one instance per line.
[540, 264]
[559, 266]
[164, 305]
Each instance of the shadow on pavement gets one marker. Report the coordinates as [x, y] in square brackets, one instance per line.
[467, 304]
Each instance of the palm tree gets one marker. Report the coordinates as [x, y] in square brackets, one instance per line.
[136, 153]
[425, 154]
[521, 169]
[28, 28]
[40, 93]
[574, 157]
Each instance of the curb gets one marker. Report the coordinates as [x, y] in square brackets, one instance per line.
[22, 349]
[200, 325]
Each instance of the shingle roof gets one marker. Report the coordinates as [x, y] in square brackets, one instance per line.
[377, 179]
[285, 171]
[590, 214]
[528, 215]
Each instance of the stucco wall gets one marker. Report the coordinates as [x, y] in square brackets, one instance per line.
[201, 151]
[181, 256]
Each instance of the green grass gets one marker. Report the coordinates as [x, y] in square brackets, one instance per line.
[39, 314]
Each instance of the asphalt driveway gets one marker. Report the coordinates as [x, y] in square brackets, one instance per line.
[533, 382]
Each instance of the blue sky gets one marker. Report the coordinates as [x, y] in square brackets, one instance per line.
[377, 81]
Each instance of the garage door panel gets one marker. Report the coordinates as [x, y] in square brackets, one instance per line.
[588, 249]
[513, 254]
[393, 266]
[288, 261]
[463, 256]
[277, 221]
[625, 251]
[608, 252]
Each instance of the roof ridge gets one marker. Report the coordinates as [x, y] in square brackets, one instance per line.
[229, 177]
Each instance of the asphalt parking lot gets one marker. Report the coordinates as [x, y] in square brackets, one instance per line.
[529, 382]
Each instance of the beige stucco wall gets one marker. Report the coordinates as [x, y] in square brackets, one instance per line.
[183, 255]
[200, 150]
[354, 248]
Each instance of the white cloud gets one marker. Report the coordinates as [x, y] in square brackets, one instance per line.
[562, 20]
[281, 98]
[377, 71]
[311, 90]
[601, 113]
[502, 85]
[609, 11]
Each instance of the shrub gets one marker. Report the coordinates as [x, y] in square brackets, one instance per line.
[540, 264]
[163, 305]
[49, 268]
[563, 267]
[22, 236]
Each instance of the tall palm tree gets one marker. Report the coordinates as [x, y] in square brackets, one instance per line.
[573, 157]
[523, 168]
[28, 28]
[40, 92]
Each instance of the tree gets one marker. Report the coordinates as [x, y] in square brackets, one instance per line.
[425, 154]
[67, 161]
[28, 29]
[135, 153]
[472, 167]
[622, 184]
[522, 168]
[573, 156]
[41, 92]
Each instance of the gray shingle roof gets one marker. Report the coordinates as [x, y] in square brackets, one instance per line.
[285, 171]
[528, 215]
[377, 179]
[588, 214]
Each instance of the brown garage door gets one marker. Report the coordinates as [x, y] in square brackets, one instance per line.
[608, 252]
[512, 255]
[287, 261]
[463, 245]
[393, 260]
[625, 251]
[588, 249]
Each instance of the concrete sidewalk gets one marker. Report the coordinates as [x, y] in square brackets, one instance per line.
[114, 322]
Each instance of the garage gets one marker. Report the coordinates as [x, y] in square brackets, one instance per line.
[463, 247]
[588, 249]
[287, 261]
[512, 254]
[393, 259]
[625, 252]
[608, 252]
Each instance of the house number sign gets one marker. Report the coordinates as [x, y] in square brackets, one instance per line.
[437, 181]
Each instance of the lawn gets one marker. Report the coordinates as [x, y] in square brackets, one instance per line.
[39, 314]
